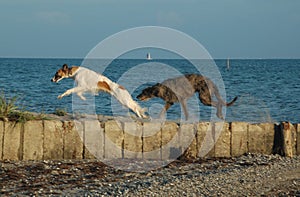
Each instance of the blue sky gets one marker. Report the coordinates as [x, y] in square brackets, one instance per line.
[229, 28]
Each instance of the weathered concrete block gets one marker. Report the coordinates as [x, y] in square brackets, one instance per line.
[93, 140]
[298, 139]
[133, 143]
[12, 141]
[170, 148]
[114, 137]
[239, 138]
[73, 140]
[222, 139]
[261, 138]
[289, 136]
[1, 138]
[188, 140]
[152, 140]
[33, 140]
[269, 136]
[205, 139]
[53, 139]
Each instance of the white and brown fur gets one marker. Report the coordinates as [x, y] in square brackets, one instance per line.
[90, 81]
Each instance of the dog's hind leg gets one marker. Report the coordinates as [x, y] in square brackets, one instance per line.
[220, 100]
[123, 96]
[205, 98]
[219, 111]
[140, 112]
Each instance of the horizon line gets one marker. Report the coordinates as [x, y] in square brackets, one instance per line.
[160, 58]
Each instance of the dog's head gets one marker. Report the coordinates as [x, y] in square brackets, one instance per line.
[61, 73]
[149, 93]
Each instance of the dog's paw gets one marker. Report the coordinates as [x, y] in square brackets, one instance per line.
[60, 96]
[144, 116]
[82, 98]
[220, 116]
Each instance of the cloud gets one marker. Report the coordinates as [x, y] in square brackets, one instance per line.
[53, 17]
[169, 19]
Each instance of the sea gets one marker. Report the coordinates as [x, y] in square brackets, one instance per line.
[268, 90]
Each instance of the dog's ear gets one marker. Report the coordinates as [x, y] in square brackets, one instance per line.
[65, 67]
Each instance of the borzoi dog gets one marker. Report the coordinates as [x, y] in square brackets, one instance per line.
[179, 89]
[90, 81]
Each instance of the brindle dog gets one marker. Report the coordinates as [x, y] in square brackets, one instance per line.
[179, 89]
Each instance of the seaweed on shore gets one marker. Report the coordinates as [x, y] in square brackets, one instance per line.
[10, 111]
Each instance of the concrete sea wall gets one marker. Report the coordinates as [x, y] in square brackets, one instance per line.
[55, 139]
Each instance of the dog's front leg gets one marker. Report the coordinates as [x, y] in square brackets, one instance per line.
[66, 93]
[70, 91]
[164, 110]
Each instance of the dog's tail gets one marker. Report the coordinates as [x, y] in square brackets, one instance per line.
[231, 102]
[218, 96]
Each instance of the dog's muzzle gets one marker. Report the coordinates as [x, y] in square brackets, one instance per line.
[56, 79]
[53, 80]
[139, 96]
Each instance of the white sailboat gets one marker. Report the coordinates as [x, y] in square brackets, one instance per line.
[149, 56]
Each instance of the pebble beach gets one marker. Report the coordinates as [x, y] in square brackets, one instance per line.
[247, 175]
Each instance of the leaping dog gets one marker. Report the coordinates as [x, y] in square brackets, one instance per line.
[90, 81]
[181, 88]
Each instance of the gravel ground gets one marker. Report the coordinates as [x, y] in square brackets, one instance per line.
[248, 175]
